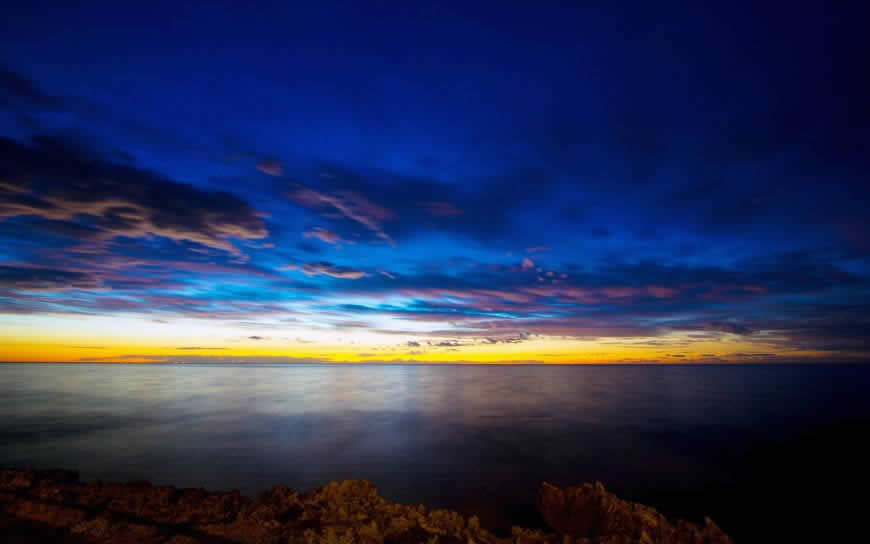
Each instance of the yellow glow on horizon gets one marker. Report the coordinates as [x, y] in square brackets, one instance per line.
[143, 339]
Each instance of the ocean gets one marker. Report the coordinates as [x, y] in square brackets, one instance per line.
[745, 445]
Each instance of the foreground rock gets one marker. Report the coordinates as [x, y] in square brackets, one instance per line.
[589, 511]
[38, 506]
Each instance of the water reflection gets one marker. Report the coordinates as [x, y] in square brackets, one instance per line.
[443, 435]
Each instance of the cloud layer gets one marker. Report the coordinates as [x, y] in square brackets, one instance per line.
[52, 180]
[685, 197]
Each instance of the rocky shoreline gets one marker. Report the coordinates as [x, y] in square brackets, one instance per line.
[53, 505]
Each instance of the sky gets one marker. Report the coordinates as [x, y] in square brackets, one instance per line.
[461, 182]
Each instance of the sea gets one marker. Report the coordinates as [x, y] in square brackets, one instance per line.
[769, 452]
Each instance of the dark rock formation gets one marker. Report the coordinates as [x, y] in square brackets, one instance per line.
[39, 506]
[589, 511]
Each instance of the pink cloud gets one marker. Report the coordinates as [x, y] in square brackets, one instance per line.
[271, 167]
[349, 204]
[662, 292]
[121, 200]
[323, 235]
[327, 269]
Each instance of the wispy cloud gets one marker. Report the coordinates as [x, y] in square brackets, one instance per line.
[327, 269]
[350, 204]
[324, 235]
[271, 167]
[31, 278]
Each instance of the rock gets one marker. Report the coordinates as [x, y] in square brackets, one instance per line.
[589, 511]
[58, 476]
[55, 506]
[281, 504]
[17, 479]
[45, 512]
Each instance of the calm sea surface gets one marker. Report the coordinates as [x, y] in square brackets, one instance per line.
[734, 442]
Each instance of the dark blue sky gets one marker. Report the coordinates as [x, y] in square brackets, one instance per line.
[622, 182]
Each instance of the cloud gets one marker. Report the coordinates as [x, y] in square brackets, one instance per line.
[351, 324]
[52, 179]
[27, 278]
[327, 269]
[527, 264]
[30, 102]
[323, 235]
[350, 204]
[508, 339]
[271, 167]
[393, 206]
[17, 90]
[731, 328]
[639, 300]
